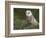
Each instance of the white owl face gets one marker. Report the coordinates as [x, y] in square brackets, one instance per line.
[28, 13]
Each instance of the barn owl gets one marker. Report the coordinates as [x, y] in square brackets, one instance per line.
[30, 18]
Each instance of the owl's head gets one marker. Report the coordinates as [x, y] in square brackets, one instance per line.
[28, 13]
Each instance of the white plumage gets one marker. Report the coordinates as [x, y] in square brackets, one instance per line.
[30, 18]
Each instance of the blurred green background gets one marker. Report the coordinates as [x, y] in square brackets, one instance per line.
[19, 18]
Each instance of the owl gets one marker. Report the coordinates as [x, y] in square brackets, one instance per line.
[30, 18]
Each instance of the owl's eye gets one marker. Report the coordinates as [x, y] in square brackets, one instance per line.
[28, 12]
